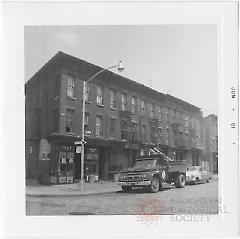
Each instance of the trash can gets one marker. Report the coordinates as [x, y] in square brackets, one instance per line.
[91, 178]
[116, 177]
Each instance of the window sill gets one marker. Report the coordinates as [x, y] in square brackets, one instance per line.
[88, 102]
[55, 98]
[70, 133]
[113, 108]
[72, 98]
[100, 105]
[100, 136]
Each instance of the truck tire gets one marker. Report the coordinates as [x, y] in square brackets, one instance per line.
[180, 181]
[155, 185]
[126, 189]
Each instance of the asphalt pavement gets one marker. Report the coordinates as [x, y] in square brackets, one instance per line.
[192, 199]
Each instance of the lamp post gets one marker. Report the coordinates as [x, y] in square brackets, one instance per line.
[120, 67]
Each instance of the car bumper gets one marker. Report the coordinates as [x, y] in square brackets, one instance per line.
[141, 183]
[190, 180]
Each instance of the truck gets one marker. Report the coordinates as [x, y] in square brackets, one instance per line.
[151, 171]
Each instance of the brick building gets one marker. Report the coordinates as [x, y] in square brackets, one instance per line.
[211, 142]
[123, 119]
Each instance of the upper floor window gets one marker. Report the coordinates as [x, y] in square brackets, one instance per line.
[86, 122]
[87, 93]
[159, 113]
[123, 102]
[99, 125]
[56, 120]
[134, 105]
[112, 128]
[70, 86]
[167, 114]
[99, 95]
[112, 99]
[57, 85]
[151, 109]
[143, 105]
[69, 120]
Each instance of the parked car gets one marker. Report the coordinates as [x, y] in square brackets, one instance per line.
[197, 174]
[151, 171]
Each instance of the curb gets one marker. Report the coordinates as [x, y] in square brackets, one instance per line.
[70, 195]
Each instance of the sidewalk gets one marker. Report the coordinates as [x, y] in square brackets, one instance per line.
[72, 190]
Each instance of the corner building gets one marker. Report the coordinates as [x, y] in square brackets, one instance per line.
[123, 119]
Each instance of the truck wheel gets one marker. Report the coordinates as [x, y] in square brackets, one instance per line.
[126, 189]
[155, 185]
[180, 181]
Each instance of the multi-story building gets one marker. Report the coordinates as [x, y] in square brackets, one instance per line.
[211, 142]
[123, 119]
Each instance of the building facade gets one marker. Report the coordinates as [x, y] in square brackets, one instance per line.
[211, 142]
[123, 119]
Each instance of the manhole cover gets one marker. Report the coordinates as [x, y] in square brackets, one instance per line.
[80, 213]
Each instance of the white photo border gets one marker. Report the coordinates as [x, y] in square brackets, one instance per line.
[18, 15]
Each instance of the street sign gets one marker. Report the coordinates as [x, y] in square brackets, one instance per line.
[78, 149]
[77, 142]
[83, 142]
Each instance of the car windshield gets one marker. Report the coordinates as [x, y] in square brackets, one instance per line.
[145, 163]
[194, 168]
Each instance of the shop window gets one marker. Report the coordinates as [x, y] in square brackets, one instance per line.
[99, 95]
[123, 102]
[134, 105]
[99, 126]
[112, 128]
[70, 86]
[69, 120]
[66, 166]
[113, 99]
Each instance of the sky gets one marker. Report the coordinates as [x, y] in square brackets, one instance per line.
[180, 60]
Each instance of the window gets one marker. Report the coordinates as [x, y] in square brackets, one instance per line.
[167, 114]
[57, 85]
[87, 93]
[123, 125]
[134, 105]
[123, 102]
[55, 120]
[112, 99]
[86, 122]
[151, 108]
[144, 133]
[158, 111]
[69, 120]
[112, 128]
[99, 126]
[134, 132]
[70, 86]
[143, 106]
[99, 95]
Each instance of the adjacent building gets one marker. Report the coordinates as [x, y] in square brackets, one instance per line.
[123, 119]
[211, 142]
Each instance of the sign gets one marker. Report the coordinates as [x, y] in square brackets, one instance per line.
[78, 149]
[82, 142]
[77, 142]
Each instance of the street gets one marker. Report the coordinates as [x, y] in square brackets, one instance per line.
[197, 199]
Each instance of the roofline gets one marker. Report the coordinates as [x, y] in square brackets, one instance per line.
[60, 54]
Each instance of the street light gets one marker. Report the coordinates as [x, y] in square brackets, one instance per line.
[120, 68]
